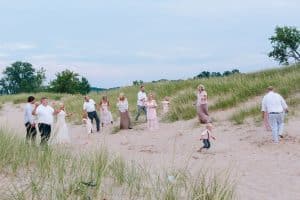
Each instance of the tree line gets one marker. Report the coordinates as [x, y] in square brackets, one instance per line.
[22, 77]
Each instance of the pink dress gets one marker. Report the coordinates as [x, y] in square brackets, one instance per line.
[105, 114]
[152, 120]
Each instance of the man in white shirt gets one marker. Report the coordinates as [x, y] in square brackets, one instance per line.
[141, 99]
[44, 113]
[89, 106]
[29, 120]
[275, 107]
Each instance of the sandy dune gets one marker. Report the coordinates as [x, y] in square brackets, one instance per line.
[262, 169]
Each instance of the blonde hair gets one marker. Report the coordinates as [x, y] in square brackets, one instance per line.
[201, 86]
[122, 96]
[209, 125]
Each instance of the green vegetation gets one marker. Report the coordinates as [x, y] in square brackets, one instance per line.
[69, 82]
[223, 92]
[21, 77]
[286, 45]
[44, 173]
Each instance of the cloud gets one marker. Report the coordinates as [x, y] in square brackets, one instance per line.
[17, 46]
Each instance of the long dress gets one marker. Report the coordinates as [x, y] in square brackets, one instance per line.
[125, 122]
[202, 107]
[105, 114]
[61, 133]
[152, 120]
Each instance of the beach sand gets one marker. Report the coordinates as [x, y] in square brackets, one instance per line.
[261, 169]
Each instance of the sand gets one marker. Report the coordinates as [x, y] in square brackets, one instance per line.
[261, 169]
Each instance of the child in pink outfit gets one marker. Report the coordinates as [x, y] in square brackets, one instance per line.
[151, 106]
[206, 135]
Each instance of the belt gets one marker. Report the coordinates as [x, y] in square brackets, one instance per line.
[275, 112]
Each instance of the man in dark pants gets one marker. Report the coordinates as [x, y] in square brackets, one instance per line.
[45, 114]
[29, 121]
[90, 108]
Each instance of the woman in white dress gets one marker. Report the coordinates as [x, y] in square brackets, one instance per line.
[61, 132]
[105, 114]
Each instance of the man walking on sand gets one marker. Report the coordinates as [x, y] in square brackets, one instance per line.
[275, 107]
[44, 113]
[90, 108]
[141, 99]
[29, 120]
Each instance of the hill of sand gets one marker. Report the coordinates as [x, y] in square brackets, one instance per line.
[261, 169]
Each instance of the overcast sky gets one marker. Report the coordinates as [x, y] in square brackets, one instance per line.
[113, 43]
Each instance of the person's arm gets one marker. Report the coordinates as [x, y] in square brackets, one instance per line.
[284, 105]
[263, 108]
[34, 112]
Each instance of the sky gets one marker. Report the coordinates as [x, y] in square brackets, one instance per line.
[113, 43]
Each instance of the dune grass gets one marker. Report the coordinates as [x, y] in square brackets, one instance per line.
[34, 172]
[225, 92]
[242, 114]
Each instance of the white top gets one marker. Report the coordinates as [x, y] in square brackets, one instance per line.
[206, 134]
[45, 114]
[28, 117]
[273, 102]
[201, 98]
[122, 105]
[89, 106]
[142, 97]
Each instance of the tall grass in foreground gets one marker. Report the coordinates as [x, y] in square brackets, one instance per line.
[45, 173]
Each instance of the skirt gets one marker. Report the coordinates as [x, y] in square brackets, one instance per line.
[202, 111]
[125, 120]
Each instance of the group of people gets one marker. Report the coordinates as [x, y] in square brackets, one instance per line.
[41, 116]
[274, 108]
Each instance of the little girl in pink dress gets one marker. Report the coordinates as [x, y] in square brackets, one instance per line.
[151, 106]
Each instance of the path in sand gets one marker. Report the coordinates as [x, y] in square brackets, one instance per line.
[263, 170]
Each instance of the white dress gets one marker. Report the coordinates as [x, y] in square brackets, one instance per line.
[61, 133]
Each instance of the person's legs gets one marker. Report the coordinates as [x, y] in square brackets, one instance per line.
[90, 116]
[274, 126]
[145, 110]
[45, 131]
[139, 112]
[280, 124]
[97, 120]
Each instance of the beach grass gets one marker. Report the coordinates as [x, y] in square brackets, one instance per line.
[34, 172]
[223, 93]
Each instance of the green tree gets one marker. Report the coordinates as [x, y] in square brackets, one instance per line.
[69, 82]
[285, 42]
[21, 77]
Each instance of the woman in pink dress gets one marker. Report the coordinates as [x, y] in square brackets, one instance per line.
[105, 114]
[202, 105]
[151, 106]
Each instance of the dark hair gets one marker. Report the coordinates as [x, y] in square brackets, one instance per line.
[142, 86]
[30, 99]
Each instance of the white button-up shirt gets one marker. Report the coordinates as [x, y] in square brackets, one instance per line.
[45, 114]
[89, 106]
[273, 102]
[28, 117]
[142, 97]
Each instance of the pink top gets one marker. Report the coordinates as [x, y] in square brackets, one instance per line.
[201, 98]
